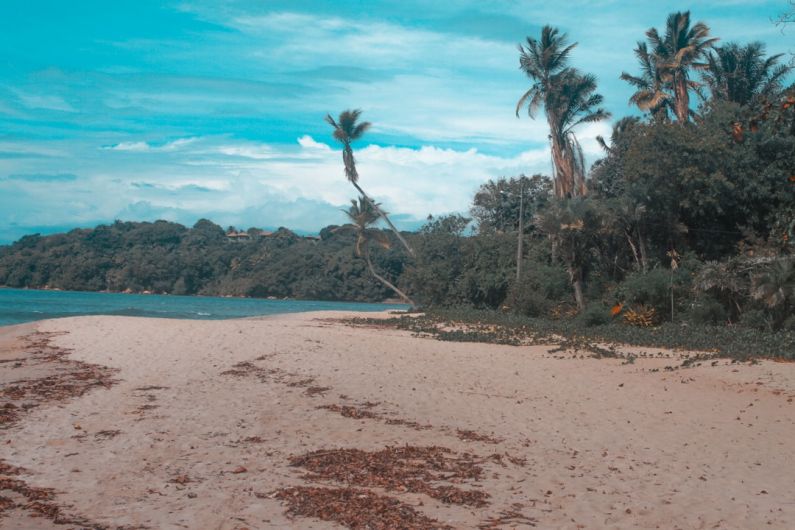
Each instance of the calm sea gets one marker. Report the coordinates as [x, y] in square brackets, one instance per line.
[24, 305]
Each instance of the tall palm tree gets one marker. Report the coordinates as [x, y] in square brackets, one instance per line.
[347, 131]
[742, 73]
[364, 214]
[568, 99]
[651, 93]
[678, 51]
[572, 103]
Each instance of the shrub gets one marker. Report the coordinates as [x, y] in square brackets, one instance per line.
[524, 299]
[549, 280]
[595, 315]
[707, 311]
[541, 285]
[755, 319]
[653, 289]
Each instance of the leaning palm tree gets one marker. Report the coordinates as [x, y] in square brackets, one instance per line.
[568, 99]
[364, 214]
[652, 93]
[741, 74]
[678, 51]
[346, 131]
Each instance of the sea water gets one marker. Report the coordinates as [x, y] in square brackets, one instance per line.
[26, 305]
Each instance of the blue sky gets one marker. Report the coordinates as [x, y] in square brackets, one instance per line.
[180, 110]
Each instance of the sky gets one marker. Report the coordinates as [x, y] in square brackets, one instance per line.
[181, 110]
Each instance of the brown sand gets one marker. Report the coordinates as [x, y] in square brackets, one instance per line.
[178, 444]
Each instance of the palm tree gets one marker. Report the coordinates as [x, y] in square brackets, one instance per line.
[740, 74]
[573, 226]
[364, 214]
[677, 52]
[651, 94]
[347, 131]
[572, 103]
[776, 288]
[568, 99]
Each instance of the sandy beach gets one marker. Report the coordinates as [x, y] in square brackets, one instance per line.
[219, 424]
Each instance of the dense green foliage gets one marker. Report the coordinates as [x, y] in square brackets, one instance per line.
[164, 257]
[688, 219]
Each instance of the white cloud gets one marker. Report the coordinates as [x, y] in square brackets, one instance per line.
[45, 101]
[129, 146]
[250, 184]
[307, 142]
[138, 146]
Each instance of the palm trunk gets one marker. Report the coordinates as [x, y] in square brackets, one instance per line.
[382, 214]
[633, 248]
[560, 165]
[386, 282]
[576, 282]
[644, 259]
[520, 236]
[672, 295]
[682, 99]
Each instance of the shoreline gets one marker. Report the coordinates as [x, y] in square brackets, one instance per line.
[33, 305]
[206, 419]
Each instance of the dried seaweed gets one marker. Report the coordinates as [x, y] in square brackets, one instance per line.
[361, 412]
[355, 508]
[301, 382]
[473, 436]
[408, 468]
[69, 379]
[107, 434]
[513, 518]
[349, 411]
[313, 391]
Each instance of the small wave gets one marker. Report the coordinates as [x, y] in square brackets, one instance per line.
[200, 313]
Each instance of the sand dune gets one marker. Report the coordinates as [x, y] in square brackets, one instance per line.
[200, 425]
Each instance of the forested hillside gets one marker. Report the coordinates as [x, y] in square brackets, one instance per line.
[164, 257]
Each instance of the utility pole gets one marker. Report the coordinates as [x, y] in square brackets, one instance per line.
[521, 231]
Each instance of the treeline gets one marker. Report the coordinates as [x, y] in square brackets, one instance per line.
[165, 257]
[688, 217]
[685, 224]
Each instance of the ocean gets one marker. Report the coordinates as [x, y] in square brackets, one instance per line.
[26, 305]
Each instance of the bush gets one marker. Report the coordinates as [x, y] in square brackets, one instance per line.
[650, 289]
[653, 289]
[755, 319]
[541, 286]
[524, 299]
[595, 315]
[707, 311]
[549, 280]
